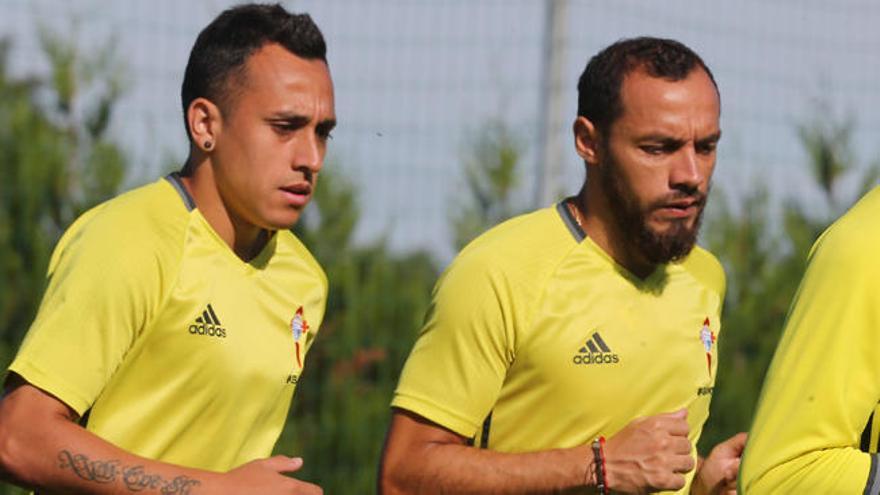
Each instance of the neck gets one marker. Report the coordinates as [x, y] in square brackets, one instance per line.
[599, 223]
[244, 238]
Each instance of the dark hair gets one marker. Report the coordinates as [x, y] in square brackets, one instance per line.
[222, 48]
[600, 83]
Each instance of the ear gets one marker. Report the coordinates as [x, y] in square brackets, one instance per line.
[586, 140]
[204, 121]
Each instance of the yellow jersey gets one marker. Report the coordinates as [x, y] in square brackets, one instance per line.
[816, 426]
[175, 348]
[536, 339]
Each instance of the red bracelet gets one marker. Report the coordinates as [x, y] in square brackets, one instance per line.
[604, 468]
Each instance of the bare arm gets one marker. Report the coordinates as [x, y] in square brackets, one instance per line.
[422, 457]
[42, 447]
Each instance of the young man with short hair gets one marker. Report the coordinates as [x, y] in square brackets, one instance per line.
[176, 322]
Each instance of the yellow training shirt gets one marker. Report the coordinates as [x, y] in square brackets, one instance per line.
[177, 349]
[536, 339]
[816, 427]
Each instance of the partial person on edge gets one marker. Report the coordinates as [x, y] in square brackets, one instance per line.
[817, 425]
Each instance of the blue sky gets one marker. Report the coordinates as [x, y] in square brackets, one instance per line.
[416, 80]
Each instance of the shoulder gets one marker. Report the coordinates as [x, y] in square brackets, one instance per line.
[523, 249]
[150, 219]
[705, 267]
[852, 240]
[155, 208]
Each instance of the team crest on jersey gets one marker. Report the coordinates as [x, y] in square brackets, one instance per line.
[299, 327]
[707, 336]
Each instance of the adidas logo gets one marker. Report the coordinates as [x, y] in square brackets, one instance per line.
[208, 324]
[595, 351]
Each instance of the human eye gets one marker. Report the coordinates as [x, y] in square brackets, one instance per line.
[283, 127]
[286, 125]
[707, 148]
[324, 131]
[653, 148]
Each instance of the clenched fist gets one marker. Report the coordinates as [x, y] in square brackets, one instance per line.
[650, 454]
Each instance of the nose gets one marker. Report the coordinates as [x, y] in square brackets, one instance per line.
[309, 153]
[688, 171]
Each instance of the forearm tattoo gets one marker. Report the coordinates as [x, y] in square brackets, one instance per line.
[135, 478]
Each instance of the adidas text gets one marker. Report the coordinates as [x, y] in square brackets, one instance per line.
[208, 324]
[596, 358]
[210, 330]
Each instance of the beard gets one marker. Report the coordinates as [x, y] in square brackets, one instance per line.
[631, 218]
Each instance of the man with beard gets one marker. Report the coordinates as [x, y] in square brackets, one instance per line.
[574, 348]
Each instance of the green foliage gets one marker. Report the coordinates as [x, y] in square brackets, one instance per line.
[376, 303]
[764, 257]
[60, 163]
[491, 169]
[57, 162]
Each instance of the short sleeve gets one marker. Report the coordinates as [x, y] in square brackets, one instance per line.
[456, 369]
[104, 278]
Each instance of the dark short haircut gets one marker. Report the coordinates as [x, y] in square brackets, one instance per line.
[223, 47]
[600, 83]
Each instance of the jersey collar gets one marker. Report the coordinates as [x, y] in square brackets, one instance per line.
[174, 179]
[570, 221]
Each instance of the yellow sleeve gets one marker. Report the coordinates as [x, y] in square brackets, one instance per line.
[456, 368]
[823, 383]
[103, 278]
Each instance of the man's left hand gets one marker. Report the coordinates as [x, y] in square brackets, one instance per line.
[717, 474]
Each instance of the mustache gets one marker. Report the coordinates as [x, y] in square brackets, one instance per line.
[698, 200]
[694, 196]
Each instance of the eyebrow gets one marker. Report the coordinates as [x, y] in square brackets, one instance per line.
[299, 120]
[669, 139]
[288, 117]
[328, 124]
[711, 138]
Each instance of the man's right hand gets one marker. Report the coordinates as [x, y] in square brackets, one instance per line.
[265, 476]
[650, 454]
